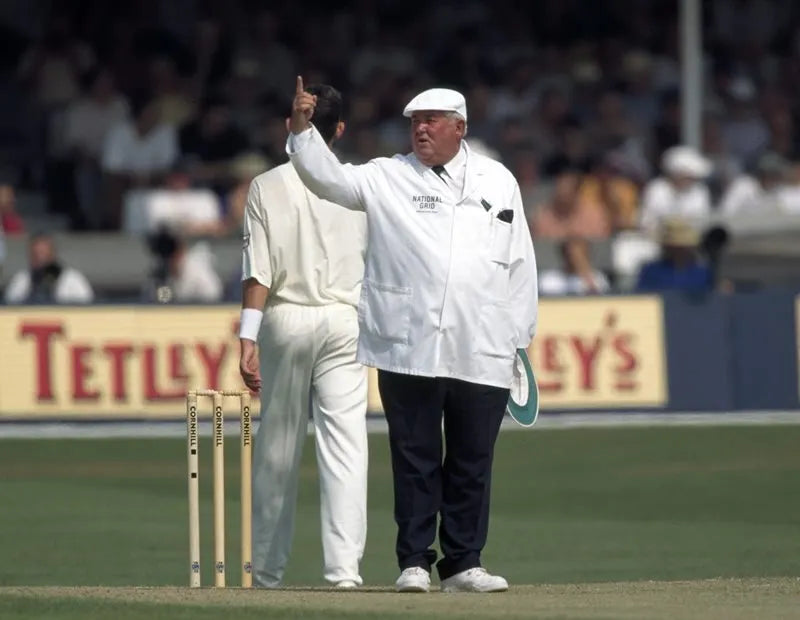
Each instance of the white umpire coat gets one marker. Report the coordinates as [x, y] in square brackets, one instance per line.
[449, 289]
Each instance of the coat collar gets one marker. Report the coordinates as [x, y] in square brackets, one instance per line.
[476, 168]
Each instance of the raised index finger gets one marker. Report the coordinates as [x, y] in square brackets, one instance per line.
[299, 88]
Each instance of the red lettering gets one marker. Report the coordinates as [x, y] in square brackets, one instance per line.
[550, 353]
[551, 364]
[81, 371]
[547, 387]
[587, 358]
[152, 391]
[43, 335]
[623, 346]
[628, 363]
[117, 354]
[177, 370]
[212, 363]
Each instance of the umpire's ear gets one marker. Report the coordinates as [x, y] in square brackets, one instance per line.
[339, 130]
[288, 122]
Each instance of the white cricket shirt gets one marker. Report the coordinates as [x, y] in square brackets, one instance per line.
[308, 251]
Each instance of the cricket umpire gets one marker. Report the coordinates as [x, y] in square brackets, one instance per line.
[303, 259]
[449, 294]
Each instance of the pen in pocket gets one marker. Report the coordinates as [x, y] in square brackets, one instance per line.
[506, 215]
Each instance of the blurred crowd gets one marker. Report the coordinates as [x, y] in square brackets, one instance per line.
[131, 116]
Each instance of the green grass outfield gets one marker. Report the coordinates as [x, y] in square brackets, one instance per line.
[586, 523]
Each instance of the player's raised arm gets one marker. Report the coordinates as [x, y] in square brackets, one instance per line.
[311, 156]
[302, 108]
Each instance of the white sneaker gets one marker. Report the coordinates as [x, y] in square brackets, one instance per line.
[413, 579]
[346, 584]
[474, 580]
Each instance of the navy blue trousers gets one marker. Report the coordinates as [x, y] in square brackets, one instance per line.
[454, 485]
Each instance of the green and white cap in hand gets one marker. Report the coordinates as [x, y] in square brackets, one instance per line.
[523, 401]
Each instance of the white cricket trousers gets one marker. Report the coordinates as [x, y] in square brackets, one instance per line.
[308, 366]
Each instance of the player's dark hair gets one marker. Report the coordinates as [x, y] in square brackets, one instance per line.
[328, 111]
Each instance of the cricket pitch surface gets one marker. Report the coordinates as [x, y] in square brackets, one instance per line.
[729, 599]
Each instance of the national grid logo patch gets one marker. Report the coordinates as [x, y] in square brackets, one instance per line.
[426, 204]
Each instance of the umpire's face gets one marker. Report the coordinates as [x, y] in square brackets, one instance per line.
[436, 136]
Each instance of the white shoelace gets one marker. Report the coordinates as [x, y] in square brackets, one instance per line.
[478, 571]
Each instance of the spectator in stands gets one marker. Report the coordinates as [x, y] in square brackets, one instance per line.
[605, 184]
[176, 203]
[517, 96]
[192, 275]
[210, 143]
[136, 153]
[567, 214]
[760, 193]
[667, 130]
[680, 191]
[50, 70]
[613, 126]
[577, 276]
[213, 51]
[243, 170]
[641, 97]
[247, 107]
[789, 194]
[10, 221]
[52, 67]
[170, 97]
[525, 166]
[47, 281]
[784, 137]
[679, 267]
[744, 131]
[479, 102]
[182, 274]
[571, 151]
[725, 168]
[21, 147]
[531, 82]
[88, 122]
[261, 44]
[586, 77]
[198, 219]
[551, 116]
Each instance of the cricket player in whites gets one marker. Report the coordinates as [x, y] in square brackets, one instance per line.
[303, 261]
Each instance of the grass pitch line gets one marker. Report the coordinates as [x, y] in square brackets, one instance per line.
[714, 599]
[22, 428]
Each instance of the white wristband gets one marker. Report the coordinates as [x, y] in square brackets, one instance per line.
[250, 323]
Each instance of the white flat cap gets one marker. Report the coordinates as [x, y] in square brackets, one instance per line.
[685, 160]
[439, 99]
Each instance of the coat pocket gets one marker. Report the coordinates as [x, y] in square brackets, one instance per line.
[500, 250]
[496, 337]
[385, 310]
